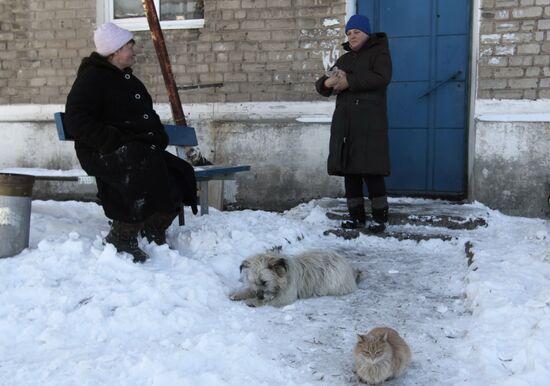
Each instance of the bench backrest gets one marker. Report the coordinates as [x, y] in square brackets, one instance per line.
[178, 135]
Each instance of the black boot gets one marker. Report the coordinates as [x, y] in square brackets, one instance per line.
[379, 207]
[358, 218]
[124, 237]
[154, 229]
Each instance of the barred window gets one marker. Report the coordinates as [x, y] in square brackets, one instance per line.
[172, 14]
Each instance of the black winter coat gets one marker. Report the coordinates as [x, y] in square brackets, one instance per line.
[121, 141]
[359, 130]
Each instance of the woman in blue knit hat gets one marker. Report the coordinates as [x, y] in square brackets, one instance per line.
[359, 148]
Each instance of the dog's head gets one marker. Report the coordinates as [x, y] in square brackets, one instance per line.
[265, 275]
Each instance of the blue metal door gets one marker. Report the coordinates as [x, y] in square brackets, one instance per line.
[427, 99]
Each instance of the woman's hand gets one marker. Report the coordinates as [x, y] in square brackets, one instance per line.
[341, 82]
[331, 81]
[337, 81]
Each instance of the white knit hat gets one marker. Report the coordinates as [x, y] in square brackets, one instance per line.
[110, 37]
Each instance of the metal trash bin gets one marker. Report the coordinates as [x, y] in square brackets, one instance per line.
[15, 212]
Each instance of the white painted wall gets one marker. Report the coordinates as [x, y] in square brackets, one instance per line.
[511, 167]
[287, 145]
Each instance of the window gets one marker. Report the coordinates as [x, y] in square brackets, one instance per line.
[172, 14]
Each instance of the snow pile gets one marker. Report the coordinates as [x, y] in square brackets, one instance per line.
[72, 311]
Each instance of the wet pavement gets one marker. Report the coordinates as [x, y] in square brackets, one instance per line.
[414, 221]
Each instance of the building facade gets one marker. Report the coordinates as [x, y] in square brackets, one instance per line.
[260, 59]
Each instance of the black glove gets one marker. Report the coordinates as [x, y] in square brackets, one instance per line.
[108, 141]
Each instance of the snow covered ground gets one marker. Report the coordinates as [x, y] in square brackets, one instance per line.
[72, 311]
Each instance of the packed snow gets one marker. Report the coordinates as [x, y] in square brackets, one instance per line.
[73, 311]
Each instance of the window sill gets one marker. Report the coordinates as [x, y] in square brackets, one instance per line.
[142, 25]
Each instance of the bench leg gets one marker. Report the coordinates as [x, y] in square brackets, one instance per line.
[181, 217]
[203, 186]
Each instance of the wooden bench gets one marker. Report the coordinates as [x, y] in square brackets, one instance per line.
[179, 136]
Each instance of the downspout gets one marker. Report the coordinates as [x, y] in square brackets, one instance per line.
[474, 66]
[351, 8]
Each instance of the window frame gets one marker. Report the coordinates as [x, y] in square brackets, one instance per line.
[140, 23]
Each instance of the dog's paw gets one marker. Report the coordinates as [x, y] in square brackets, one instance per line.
[236, 297]
[253, 302]
[242, 294]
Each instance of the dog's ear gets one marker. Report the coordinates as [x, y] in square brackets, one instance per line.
[278, 265]
[244, 264]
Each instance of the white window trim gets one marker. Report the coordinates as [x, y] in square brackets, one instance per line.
[105, 14]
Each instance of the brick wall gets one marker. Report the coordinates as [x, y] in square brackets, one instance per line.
[514, 49]
[44, 41]
[260, 50]
[7, 19]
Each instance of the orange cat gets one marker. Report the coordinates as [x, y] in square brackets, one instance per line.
[379, 355]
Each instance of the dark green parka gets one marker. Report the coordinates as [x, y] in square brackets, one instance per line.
[359, 130]
[120, 140]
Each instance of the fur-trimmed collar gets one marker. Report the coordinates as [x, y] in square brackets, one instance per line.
[97, 60]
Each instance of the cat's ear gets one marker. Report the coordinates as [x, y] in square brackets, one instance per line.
[385, 337]
[361, 338]
[244, 264]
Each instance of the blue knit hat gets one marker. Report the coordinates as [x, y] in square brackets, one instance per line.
[359, 22]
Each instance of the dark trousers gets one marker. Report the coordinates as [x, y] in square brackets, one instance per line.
[354, 185]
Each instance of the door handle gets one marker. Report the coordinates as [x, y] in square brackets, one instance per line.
[452, 77]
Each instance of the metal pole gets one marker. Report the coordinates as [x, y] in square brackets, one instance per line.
[164, 60]
[193, 154]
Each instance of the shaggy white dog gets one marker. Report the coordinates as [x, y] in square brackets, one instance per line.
[273, 279]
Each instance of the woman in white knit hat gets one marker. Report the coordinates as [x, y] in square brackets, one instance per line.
[121, 141]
